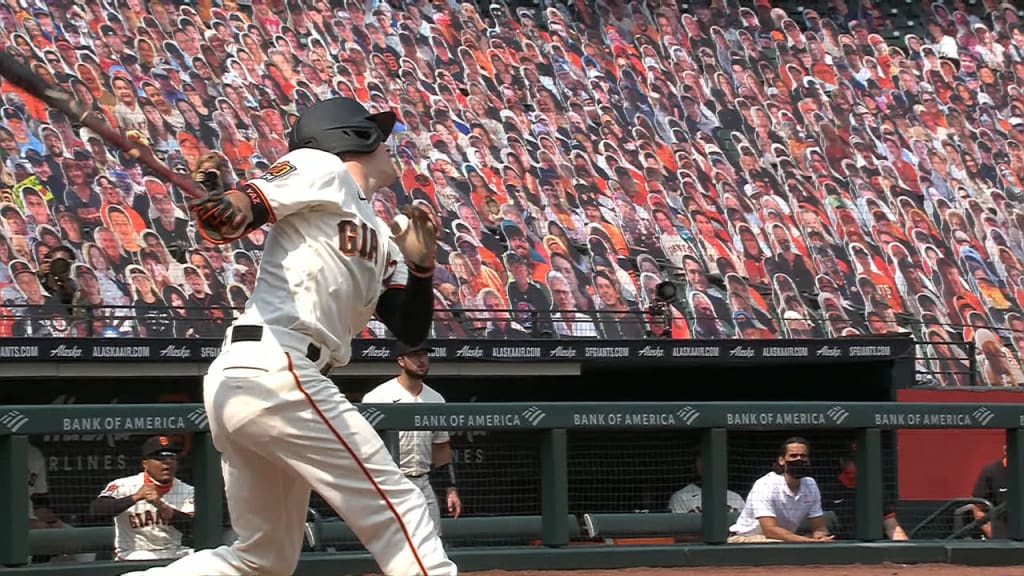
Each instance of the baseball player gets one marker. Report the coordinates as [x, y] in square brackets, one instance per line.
[283, 427]
[151, 508]
[419, 451]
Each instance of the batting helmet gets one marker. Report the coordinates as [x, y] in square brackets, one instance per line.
[340, 125]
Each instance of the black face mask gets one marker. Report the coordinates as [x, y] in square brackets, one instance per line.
[797, 468]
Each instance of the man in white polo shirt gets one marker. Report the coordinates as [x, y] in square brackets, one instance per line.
[419, 450]
[781, 500]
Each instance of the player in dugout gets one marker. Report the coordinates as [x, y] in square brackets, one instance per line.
[839, 494]
[781, 500]
[420, 451]
[151, 509]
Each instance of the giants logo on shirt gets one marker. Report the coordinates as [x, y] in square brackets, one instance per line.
[147, 518]
[358, 239]
[277, 171]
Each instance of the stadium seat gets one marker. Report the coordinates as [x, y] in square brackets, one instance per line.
[594, 111]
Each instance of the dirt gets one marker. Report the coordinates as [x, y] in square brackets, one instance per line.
[829, 570]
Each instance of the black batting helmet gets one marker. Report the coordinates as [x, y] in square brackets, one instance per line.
[340, 125]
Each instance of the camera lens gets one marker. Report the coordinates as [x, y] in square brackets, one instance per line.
[60, 266]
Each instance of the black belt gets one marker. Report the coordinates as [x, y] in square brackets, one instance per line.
[251, 333]
[417, 475]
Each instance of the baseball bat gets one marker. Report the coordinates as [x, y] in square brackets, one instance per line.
[23, 77]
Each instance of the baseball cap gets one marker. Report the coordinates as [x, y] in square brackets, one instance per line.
[34, 157]
[403, 349]
[20, 267]
[160, 446]
[461, 239]
[513, 257]
[134, 270]
[510, 230]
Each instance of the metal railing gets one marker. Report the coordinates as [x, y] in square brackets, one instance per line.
[549, 423]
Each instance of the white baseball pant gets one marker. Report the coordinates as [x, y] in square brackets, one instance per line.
[423, 483]
[282, 429]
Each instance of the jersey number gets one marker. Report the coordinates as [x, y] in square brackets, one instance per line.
[358, 239]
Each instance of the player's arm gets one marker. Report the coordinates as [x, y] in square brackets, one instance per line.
[110, 502]
[108, 506]
[43, 512]
[816, 516]
[180, 520]
[302, 180]
[441, 458]
[982, 489]
[893, 530]
[771, 530]
[819, 528]
[406, 306]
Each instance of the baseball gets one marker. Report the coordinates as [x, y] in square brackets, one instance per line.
[400, 224]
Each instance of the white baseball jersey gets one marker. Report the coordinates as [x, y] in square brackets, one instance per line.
[689, 500]
[771, 496]
[327, 257]
[416, 446]
[140, 528]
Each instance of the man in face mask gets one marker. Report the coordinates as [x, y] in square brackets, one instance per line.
[781, 500]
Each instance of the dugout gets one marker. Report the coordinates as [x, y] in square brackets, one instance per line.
[610, 472]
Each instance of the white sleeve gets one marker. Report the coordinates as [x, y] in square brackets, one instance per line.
[371, 397]
[36, 472]
[734, 501]
[303, 179]
[113, 490]
[678, 503]
[189, 505]
[760, 500]
[815, 511]
[379, 394]
[397, 274]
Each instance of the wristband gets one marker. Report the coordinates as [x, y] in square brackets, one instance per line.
[450, 468]
[421, 271]
[261, 213]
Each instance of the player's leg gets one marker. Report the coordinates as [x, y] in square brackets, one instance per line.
[423, 483]
[267, 501]
[345, 461]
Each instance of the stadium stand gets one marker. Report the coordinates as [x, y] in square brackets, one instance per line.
[800, 169]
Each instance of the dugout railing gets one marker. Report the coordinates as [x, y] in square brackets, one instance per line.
[555, 527]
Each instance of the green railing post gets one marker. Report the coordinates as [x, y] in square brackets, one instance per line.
[1015, 493]
[870, 496]
[13, 500]
[209, 520]
[554, 488]
[715, 481]
[390, 438]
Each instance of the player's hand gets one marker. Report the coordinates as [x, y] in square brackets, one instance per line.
[823, 537]
[146, 492]
[454, 503]
[165, 511]
[416, 237]
[223, 216]
[209, 179]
